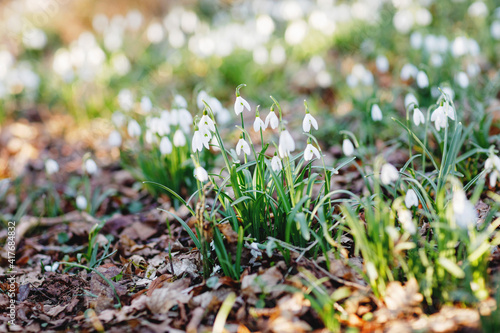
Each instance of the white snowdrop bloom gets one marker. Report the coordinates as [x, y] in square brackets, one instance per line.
[201, 174]
[382, 64]
[324, 79]
[52, 268]
[51, 166]
[34, 39]
[410, 101]
[495, 30]
[308, 121]
[90, 166]
[403, 20]
[201, 137]
[180, 101]
[406, 220]
[258, 124]
[126, 100]
[134, 20]
[423, 17]
[347, 147]
[272, 120]
[408, 71]
[155, 33]
[146, 104]
[115, 139]
[179, 138]
[389, 174]
[411, 199]
[118, 119]
[492, 166]
[276, 164]
[133, 128]
[286, 144]
[441, 114]
[462, 80]
[150, 137]
[311, 151]
[242, 145]
[478, 9]
[296, 32]
[416, 40]
[240, 104]
[185, 119]
[206, 122]
[459, 46]
[422, 80]
[81, 202]
[418, 117]
[165, 146]
[376, 113]
[436, 60]
[464, 211]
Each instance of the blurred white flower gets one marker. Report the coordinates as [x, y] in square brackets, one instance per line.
[478, 9]
[411, 199]
[51, 166]
[90, 166]
[242, 145]
[115, 139]
[34, 39]
[462, 80]
[276, 164]
[492, 166]
[286, 144]
[81, 202]
[146, 104]
[406, 220]
[120, 64]
[441, 114]
[181, 102]
[403, 20]
[240, 104]
[418, 117]
[495, 30]
[165, 146]
[308, 121]
[201, 174]
[464, 211]
[422, 80]
[416, 40]
[258, 124]
[155, 33]
[376, 113]
[408, 71]
[311, 151]
[272, 120]
[410, 100]
[201, 137]
[133, 128]
[389, 174]
[52, 268]
[179, 138]
[118, 119]
[347, 147]
[126, 100]
[382, 64]
[185, 119]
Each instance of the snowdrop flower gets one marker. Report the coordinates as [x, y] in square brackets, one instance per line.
[201, 174]
[165, 146]
[411, 199]
[406, 220]
[422, 80]
[90, 166]
[410, 100]
[464, 211]
[215, 144]
[81, 202]
[240, 102]
[347, 147]
[125, 99]
[133, 128]
[115, 139]
[51, 166]
[376, 113]
[441, 114]
[311, 151]
[408, 71]
[389, 174]
[272, 120]
[492, 166]
[206, 122]
[146, 104]
[308, 121]
[286, 144]
[180, 101]
[52, 268]
[258, 124]
[418, 117]
[462, 80]
[382, 64]
[276, 164]
[242, 145]
[179, 138]
[201, 138]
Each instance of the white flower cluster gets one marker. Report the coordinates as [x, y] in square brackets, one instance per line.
[16, 77]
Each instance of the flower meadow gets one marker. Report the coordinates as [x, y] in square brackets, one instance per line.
[252, 165]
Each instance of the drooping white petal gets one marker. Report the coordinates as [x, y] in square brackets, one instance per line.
[242, 145]
[90, 166]
[276, 164]
[411, 199]
[347, 147]
[376, 113]
[165, 146]
[308, 121]
[418, 117]
[51, 166]
[258, 124]
[388, 174]
[81, 202]
[286, 144]
[133, 128]
[272, 120]
[179, 139]
[311, 151]
[206, 122]
[201, 174]
[240, 104]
